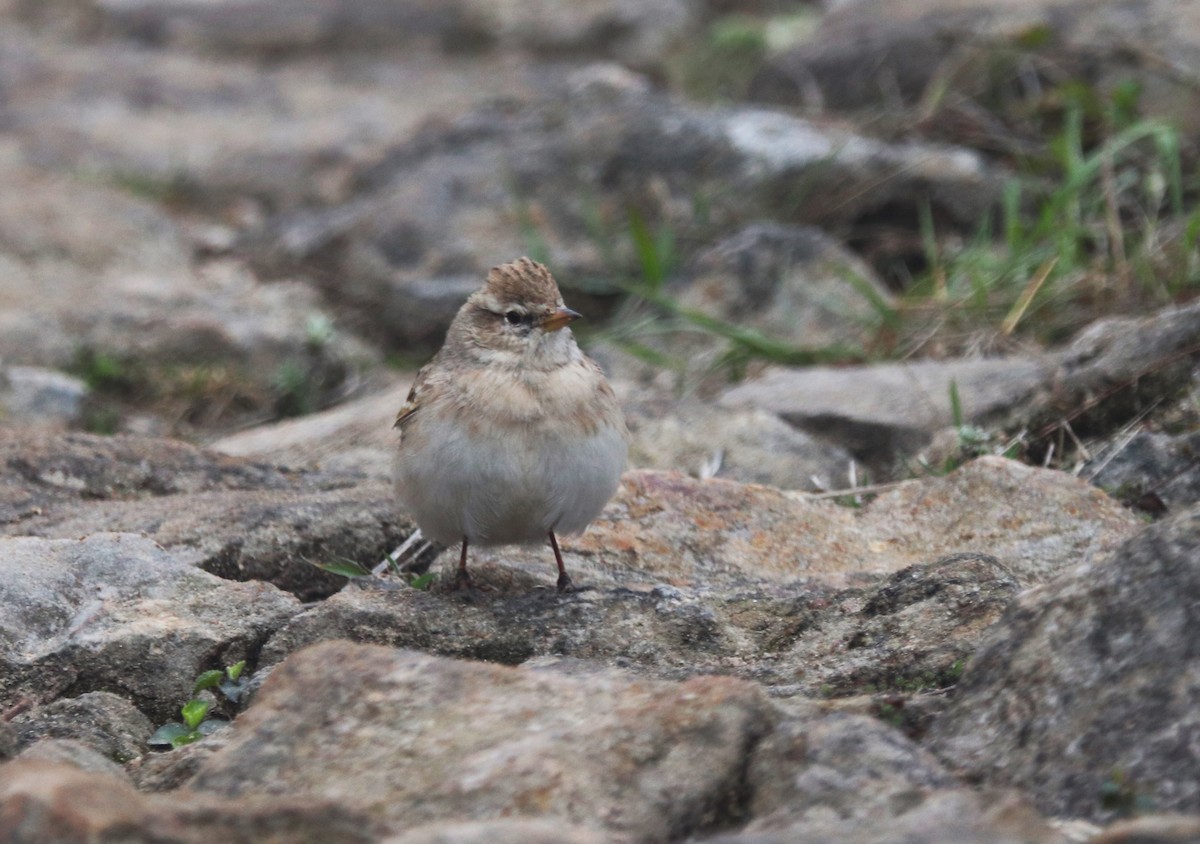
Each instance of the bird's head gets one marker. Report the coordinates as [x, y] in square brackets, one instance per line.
[518, 316]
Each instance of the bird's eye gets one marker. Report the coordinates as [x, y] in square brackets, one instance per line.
[513, 317]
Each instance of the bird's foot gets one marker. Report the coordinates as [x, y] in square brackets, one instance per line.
[565, 586]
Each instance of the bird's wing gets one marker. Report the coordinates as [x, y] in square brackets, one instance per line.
[413, 402]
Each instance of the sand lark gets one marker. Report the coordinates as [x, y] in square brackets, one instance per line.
[510, 434]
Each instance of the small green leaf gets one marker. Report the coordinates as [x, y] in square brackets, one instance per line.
[422, 581]
[346, 568]
[165, 735]
[207, 680]
[234, 671]
[194, 711]
[186, 738]
[655, 251]
[956, 409]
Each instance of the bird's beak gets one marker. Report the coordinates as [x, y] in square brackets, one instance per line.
[559, 319]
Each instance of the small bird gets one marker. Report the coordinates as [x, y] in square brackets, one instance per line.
[510, 434]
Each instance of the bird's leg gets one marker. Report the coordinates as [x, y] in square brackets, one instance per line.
[463, 580]
[564, 579]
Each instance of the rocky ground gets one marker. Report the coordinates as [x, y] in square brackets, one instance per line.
[888, 565]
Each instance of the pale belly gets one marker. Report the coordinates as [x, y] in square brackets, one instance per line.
[497, 489]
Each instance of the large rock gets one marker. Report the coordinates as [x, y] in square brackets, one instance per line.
[594, 748]
[357, 436]
[414, 749]
[1114, 369]
[641, 32]
[236, 519]
[850, 778]
[1096, 383]
[883, 410]
[1155, 472]
[1085, 693]
[1037, 522]
[114, 612]
[870, 54]
[683, 577]
[665, 527]
[102, 283]
[108, 724]
[292, 134]
[421, 739]
[458, 199]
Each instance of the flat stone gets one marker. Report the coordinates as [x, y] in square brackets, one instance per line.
[882, 410]
[108, 724]
[94, 614]
[238, 519]
[653, 761]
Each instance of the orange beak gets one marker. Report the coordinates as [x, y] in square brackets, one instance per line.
[559, 319]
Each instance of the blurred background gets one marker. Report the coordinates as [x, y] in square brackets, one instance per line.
[219, 214]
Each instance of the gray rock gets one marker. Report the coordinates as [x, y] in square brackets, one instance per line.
[55, 800]
[167, 771]
[108, 724]
[46, 471]
[31, 395]
[946, 816]
[795, 284]
[880, 411]
[1104, 377]
[546, 158]
[421, 309]
[275, 536]
[612, 755]
[866, 55]
[548, 756]
[750, 446]
[1084, 693]
[51, 801]
[685, 577]
[114, 612]
[75, 753]
[420, 739]
[127, 310]
[233, 518]
[1036, 522]
[912, 632]
[1113, 370]
[115, 111]
[843, 766]
[1155, 472]
[356, 437]
[662, 527]
[636, 32]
